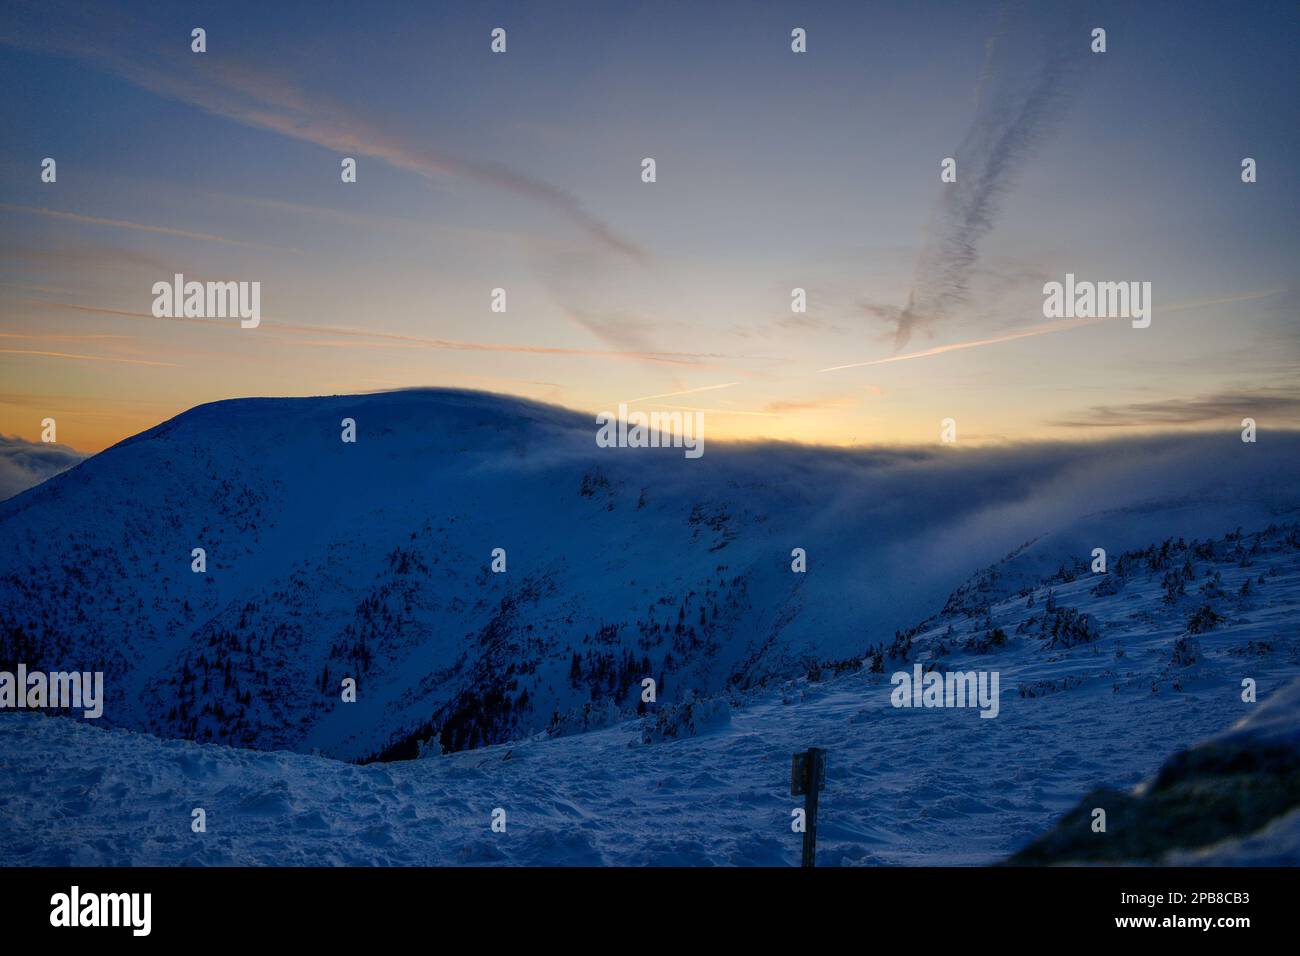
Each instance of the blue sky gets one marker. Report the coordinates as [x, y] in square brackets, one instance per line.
[522, 171]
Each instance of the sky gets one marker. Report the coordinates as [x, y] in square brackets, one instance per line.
[775, 170]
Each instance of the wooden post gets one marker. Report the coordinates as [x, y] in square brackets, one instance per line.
[807, 776]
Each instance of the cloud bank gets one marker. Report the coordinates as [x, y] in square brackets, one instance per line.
[24, 464]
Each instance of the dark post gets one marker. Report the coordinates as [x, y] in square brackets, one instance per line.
[807, 776]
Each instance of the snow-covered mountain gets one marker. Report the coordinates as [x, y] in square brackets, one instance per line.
[1102, 677]
[372, 560]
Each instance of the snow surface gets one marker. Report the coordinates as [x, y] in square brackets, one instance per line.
[1228, 800]
[904, 786]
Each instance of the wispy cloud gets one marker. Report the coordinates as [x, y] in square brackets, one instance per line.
[267, 99]
[1027, 73]
[141, 227]
[620, 330]
[63, 337]
[815, 404]
[336, 337]
[89, 260]
[1263, 405]
[86, 358]
[715, 411]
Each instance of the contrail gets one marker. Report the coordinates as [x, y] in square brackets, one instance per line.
[1060, 326]
[958, 346]
[688, 391]
[1027, 73]
[717, 411]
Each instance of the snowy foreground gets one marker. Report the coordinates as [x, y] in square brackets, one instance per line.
[1231, 800]
[905, 786]
[77, 795]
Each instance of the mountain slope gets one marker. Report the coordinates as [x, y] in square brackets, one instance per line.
[1099, 702]
[371, 560]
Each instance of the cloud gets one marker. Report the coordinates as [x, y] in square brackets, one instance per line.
[929, 515]
[25, 464]
[80, 357]
[713, 411]
[1263, 405]
[141, 227]
[1028, 72]
[85, 259]
[619, 330]
[817, 404]
[268, 99]
[339, 337]
[62, 337]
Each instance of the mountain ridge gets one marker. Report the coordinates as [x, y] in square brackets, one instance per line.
[372, 561]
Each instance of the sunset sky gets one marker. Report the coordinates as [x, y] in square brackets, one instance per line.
[775, 170]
